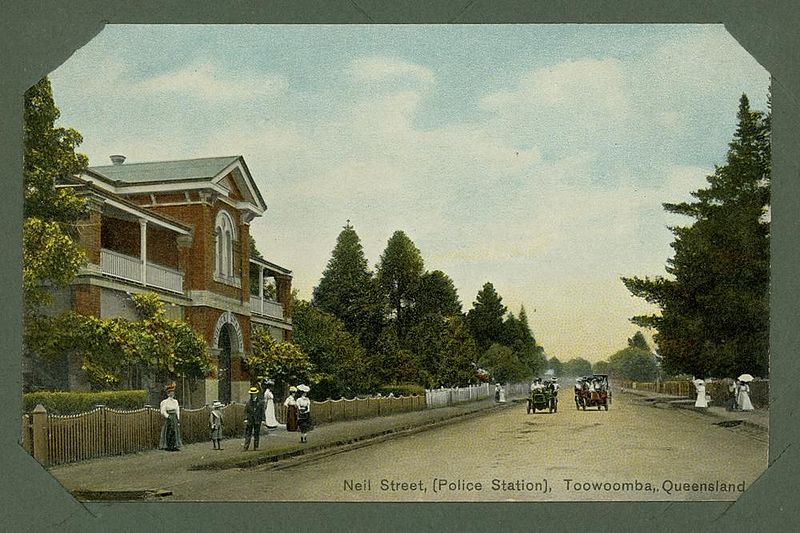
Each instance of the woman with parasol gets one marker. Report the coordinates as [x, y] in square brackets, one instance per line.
[700, 387]
[743, 396]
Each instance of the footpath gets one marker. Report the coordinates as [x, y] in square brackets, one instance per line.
[758, 419]
[141, 475]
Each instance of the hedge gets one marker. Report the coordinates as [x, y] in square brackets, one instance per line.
[403, 389]
[69, 403]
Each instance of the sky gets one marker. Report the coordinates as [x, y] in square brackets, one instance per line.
[534, 157]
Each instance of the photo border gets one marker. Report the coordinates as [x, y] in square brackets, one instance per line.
[37, 36]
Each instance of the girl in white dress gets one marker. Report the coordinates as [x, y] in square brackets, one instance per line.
[700, 387]
[743, 398]
[269, 408]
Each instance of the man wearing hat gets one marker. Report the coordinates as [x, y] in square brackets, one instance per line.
[303, 411]
[215, 420]
[171, 430]
[291, 410]
[254, 416]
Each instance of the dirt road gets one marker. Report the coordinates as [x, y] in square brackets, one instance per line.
[635, 451]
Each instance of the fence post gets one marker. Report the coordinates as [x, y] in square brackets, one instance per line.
[41, 431]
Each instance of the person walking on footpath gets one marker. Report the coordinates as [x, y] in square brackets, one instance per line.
[253, 416]
[171, 430]
[700, 388]
[216, 423]
[291, 410]
[743, 398]
[303, 412]
[269, 407]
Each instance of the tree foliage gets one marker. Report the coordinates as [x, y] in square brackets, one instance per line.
[576, 367]
[399, 275]
[50, 253]
[485, 319]
[282, 362]
[347, 289]
[634, 363]
[458, 361]
[503, 364]
[714, 305]
[341, 362]
[165, 348]
[556, 365]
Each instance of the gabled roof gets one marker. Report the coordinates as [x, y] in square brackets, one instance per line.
[180, 175]
[165, 171]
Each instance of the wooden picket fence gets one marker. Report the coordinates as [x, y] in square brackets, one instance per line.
[58, 439]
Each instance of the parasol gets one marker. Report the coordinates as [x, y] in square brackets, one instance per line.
[745, 378]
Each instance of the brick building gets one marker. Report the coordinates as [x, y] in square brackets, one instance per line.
[180, 229]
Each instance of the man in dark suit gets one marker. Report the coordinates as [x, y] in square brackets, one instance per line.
[254, 415]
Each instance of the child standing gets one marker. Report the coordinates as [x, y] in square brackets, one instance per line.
[216, 425]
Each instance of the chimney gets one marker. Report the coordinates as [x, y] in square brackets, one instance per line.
[117, 159]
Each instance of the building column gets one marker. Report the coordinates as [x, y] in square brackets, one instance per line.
[143, 248]
[261, 287]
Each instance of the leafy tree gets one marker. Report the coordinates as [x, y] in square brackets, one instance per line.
[485, 319]
[436, 293]
[399, 274]
[503, 364]
[396, 364]
[108, 348]
[283, 362]
[50, 253]
[556, 365]
[634, 363]
[347, 289]
[601, 367]
[459, 356]
[714, 316]
[638, 341]
[426, 340]
[342, 363]
[577, 367]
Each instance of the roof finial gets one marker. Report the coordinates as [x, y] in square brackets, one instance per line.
[117, 159]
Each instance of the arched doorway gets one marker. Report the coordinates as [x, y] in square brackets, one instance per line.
[224, 365]
[229, 344]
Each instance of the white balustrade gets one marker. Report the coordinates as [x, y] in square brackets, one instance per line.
[266, 307]
[130, 269]
[121, 266]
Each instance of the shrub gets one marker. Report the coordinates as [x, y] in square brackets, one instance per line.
[403, 389]
[68, 403]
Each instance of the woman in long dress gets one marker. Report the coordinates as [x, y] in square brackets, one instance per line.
[171, 430]
[269, 408]
[700, 387]
[743, 398]
[291, 410]
[303, 412]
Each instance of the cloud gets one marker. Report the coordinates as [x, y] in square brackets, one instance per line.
[380, 69]
[206, 81]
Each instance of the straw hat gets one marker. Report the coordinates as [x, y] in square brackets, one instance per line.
[170, 387]
[303, 388]
[292, 389]
[254, 390]
[216, 405]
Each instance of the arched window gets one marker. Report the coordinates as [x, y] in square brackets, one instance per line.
[224, 235]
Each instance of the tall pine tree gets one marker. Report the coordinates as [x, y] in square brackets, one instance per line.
[485, 319]
[399, 274]
[715, 306]
[347, 289]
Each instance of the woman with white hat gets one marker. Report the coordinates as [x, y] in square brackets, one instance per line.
[743, 396]
[269, 407]
[215, 421]
[171, 430]
[700, 388]
[291, 410]
[303, 411]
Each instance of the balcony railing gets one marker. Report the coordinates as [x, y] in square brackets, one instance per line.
[130, 269]
[266, 307]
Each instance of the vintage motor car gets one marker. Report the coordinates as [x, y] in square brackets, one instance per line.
[593, 392]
